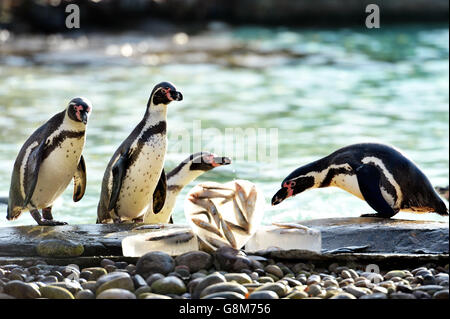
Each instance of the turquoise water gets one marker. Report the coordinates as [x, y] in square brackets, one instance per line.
[333, 88]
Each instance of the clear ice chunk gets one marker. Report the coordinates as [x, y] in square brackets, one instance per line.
[281, 238]
[171, 241]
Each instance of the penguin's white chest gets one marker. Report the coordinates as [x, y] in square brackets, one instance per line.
[348, 183]
[56, 171]
[164, 214]
[141, 178]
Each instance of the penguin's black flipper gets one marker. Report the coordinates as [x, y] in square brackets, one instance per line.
[171, 220]
[118, 172]
[32, 167]
[159, 195]
[79, 180]
[369, 184]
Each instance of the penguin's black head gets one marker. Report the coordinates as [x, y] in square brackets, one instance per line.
[79, 109]
[164, 93]
[295, 183]
[205, 161]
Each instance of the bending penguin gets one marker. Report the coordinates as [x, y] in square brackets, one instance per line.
[48, 161]
[135, 171]
[188, 170]
[377, 173]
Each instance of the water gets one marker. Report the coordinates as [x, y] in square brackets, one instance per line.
[353, 85]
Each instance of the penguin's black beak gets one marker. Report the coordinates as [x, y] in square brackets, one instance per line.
[279, 196]
[84, 117]
[176, 96]
[219, 161]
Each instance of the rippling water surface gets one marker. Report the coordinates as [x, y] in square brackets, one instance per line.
[332, 88]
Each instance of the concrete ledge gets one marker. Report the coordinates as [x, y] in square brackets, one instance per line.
[383, 236]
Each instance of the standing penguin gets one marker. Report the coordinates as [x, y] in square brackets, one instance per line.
[377, 173]
[48, 161]
[188, 170]
[135, 170]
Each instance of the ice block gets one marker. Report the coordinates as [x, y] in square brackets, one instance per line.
[225, 214]
[171, 241]
[276, 237]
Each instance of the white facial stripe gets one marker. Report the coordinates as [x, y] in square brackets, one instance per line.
[22, 166]
[390, 178]
[319, 176]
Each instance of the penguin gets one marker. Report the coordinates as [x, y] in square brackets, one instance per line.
[50, 158]
[377, 173]
[135, 170]
[188, 170]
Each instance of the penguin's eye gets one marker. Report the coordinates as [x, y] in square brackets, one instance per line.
[163, 91]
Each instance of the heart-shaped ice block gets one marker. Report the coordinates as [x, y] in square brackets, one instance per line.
[225, 214]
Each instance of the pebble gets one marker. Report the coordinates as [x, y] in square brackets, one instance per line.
[443, 294]
[224, 295]
[142, 290]
[345, 282]
[169, 285]
[239, 278]
[421, 294]
[279, 288]
[155, 262]
[357, 291]
[313, 279]
[265, 279]
[183, 271]
[85, 294]
[150, 295]
[224, 287]
[116, 293]
[274, 270]
[297, 294]
[195, 260]
[264, 294]
[346, 274]
[105, 262]
[231, 260]
[154, 277]
[401, 295]
[377, 295]
[71, 286]
[395, 273]
[343, 295]
[52, 292]
[119, 280]
[21, 290]
[138, 281]
[431, 289]
[314, 290]
[59, 248]
[96, 272]
[379, 289]
[209, 280]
